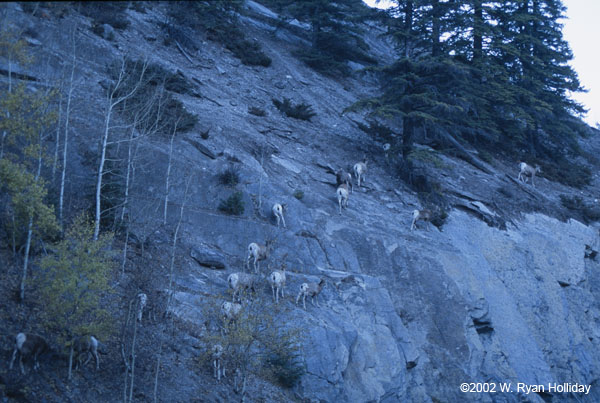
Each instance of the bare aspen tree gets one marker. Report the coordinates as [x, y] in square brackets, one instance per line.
[39, 147]
[168, 176]
[144, 124]
[171, 269]
[14, 50]
[114, 98]
[262, 157]
[61, 197]
[174, 246]
[58, 120]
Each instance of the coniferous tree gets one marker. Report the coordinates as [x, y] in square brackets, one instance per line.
[491, 73]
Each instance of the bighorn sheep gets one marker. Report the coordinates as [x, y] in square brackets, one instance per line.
[86, 345]
[312, 290]
[258, 252]
[342, 176]
[424, 215]
[27, 345]
[277, 210]
[342, 196]
[217, 356]
[239, 282]
[277, 280]
[229, 313]
[360, 169]
[527, 170]
[230, 310]
[142, 299]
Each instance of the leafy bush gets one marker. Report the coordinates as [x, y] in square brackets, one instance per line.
[74, 280]
[589, 212]
[332, 51]
[567, 172]
[300, 111]
[286, 366]
[111, 13]
[229, 177]
[299, 194]
[322, 63]
[233, 205]
[439, 218]
[219, 21]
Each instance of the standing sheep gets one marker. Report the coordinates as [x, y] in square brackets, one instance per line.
[27, 344]
[277, 280]
[86, 345]
[527, 170]
[239, 282]
[342, 196]
[217, 357]
[278, 213]
[312, 290]
[258, 252]
[341, 177]
[424, 215]
[360, 169]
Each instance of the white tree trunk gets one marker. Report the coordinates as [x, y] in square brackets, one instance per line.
[61, 198]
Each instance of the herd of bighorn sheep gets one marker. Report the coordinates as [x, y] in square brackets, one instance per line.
[32, 346]
[240, 282]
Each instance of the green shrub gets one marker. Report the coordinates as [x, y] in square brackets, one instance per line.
[286, 366]
[233, 205]
[439, 218]
[299, 194]
[300, 111]
[566, 172]
[590, 213]
[218, 19]
[229, 177]
[111, 13]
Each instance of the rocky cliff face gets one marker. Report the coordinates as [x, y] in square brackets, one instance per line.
[497, 295]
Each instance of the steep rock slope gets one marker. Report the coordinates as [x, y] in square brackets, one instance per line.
[405, 316]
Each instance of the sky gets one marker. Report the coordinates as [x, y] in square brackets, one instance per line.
[582, 31]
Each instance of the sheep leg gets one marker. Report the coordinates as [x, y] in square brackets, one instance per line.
[304, 301]
[95, 353]
[89, 357]
[283, 219]
[36, 364]
[273, 291]
[21, 363]
[14, 356]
